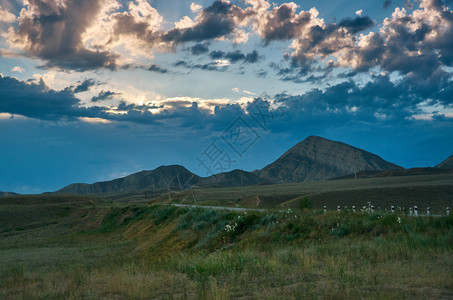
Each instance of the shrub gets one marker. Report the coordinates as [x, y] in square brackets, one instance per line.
[305, 203]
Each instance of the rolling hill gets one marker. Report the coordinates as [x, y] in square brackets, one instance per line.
[317, 158]
[446, 164]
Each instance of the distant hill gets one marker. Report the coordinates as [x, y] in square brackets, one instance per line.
[317, 158]
[162, 178]
[7, 194]
[446, 164]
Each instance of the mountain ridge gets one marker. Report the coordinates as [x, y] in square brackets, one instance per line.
[313, 159]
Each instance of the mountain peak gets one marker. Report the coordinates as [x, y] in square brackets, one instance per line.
[317, 158]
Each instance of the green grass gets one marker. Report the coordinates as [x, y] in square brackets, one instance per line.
[435, 191]
[80, 248]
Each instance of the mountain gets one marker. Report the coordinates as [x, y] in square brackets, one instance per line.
[446, 164]
[162, 178]
[317, 158]
[232, 179]
[313, 159]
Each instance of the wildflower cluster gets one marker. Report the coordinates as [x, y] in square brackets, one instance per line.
[229, 228]
[289, 213]
[367, 208]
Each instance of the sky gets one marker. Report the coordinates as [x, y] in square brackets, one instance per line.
[92, 90]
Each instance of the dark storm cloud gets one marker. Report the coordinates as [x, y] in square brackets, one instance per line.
[157, 69]
[218, 20]
[380, 102]
[217, 54]
[84, 86]
[123, 106]
[252, 57]
[214, 23]
[35, 100]
[104, 95]
[53, 32]
[357, 24]
[199, 49]
[205, 67]
[236, 56]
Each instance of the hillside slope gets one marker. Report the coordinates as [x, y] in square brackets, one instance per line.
[446, 164]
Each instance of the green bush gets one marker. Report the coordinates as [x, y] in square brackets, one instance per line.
[305, 203]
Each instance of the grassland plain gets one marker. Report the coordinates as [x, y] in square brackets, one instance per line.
[434, 191]
[61, 247]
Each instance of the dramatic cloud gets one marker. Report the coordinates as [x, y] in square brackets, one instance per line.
[417, 45]
[141, 24]
[53, 31]
[84, 86]
[34, 100]
[85, 35]
[218, 20]
[311, 38]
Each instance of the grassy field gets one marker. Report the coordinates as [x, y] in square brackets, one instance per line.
[70, 248]
[435, 191]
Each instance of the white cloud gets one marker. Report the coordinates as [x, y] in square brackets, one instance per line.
[6, 17]
[185, 22]
[249, 93]
[18, 69]
[236, 90]
[222, 62]
[195, 7]
[359, 12]
[94, 120]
